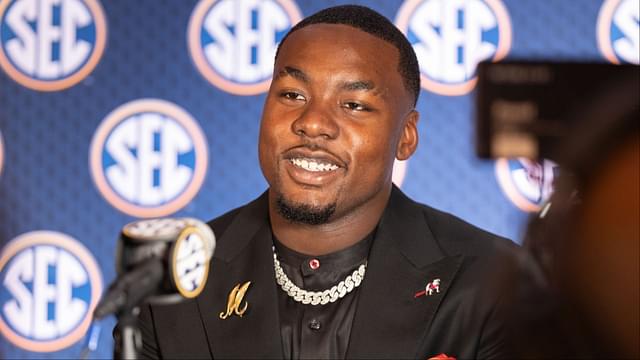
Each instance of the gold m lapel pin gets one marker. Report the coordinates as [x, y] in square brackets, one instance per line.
[235, 299]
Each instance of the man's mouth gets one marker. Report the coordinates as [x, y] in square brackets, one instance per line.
[313, 165]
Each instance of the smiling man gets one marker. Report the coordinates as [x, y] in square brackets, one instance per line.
[332, 260]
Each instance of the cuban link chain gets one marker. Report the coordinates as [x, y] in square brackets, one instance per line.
[318, 297]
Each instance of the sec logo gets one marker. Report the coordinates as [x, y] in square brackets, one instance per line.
[450, 37]
[190, 262]
[618, 30]
[50, 286]
[233, 42]
[50, 45]
[527, 184]
[148, 158]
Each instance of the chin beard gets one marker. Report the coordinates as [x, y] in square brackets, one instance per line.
[303, 213]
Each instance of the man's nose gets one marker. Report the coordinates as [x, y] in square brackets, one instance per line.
[316, 121]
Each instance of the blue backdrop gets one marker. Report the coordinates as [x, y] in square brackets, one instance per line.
[115, 110]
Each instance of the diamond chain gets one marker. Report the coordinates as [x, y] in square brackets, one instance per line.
[318, 297]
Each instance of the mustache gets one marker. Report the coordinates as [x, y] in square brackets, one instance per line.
[314, 149]
[312, 146]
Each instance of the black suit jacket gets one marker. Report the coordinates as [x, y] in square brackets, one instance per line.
[414, 245]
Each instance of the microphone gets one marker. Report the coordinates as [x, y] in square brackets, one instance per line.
[160, 261]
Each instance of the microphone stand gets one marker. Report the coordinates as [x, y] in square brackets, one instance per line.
[123, 299]
[127, 337]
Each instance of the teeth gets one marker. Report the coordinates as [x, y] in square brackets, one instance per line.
[311, 165]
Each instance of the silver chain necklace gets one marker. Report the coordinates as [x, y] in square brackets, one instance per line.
[318, 297]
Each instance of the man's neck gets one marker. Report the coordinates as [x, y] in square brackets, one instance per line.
[335, 235]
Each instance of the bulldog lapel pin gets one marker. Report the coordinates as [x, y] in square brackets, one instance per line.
[235, 299]
[432, 287]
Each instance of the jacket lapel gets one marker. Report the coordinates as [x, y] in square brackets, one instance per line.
[244, 254]
[390, 322]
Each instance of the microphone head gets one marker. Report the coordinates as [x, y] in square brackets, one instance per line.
[185, 246]
[163, 229]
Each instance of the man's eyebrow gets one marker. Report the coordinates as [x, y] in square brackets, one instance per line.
[293, 72]
[359, 85]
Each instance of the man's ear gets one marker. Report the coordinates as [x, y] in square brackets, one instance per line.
[409, 137]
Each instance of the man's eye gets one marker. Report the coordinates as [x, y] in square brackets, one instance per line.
[291, 95]
[354, 106]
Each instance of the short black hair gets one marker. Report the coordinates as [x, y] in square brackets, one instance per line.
[372, 22]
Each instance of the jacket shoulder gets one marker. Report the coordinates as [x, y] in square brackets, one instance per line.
[456, 236]
[220, 224]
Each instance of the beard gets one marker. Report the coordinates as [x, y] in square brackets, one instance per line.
[304, 213]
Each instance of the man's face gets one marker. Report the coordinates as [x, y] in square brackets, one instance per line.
[333, 120]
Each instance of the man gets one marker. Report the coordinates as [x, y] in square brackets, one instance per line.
[333, 261]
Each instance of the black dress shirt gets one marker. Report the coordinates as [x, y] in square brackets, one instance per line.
[318, 331]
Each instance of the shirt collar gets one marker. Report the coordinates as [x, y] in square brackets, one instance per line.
[340, 261]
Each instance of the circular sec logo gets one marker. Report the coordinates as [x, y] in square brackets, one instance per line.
[50, 45]
[148, 158]
[618, 31]
[190, 262]
[527, 184]
[50, 286]
[233, 42]
[450, 37]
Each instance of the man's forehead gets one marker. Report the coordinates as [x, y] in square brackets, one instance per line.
[337, 45]
[333, 34]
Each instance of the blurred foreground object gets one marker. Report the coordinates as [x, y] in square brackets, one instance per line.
[527, 109]
[576, 292]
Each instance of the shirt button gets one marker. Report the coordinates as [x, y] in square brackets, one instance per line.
[315, 325]
[314, 264]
